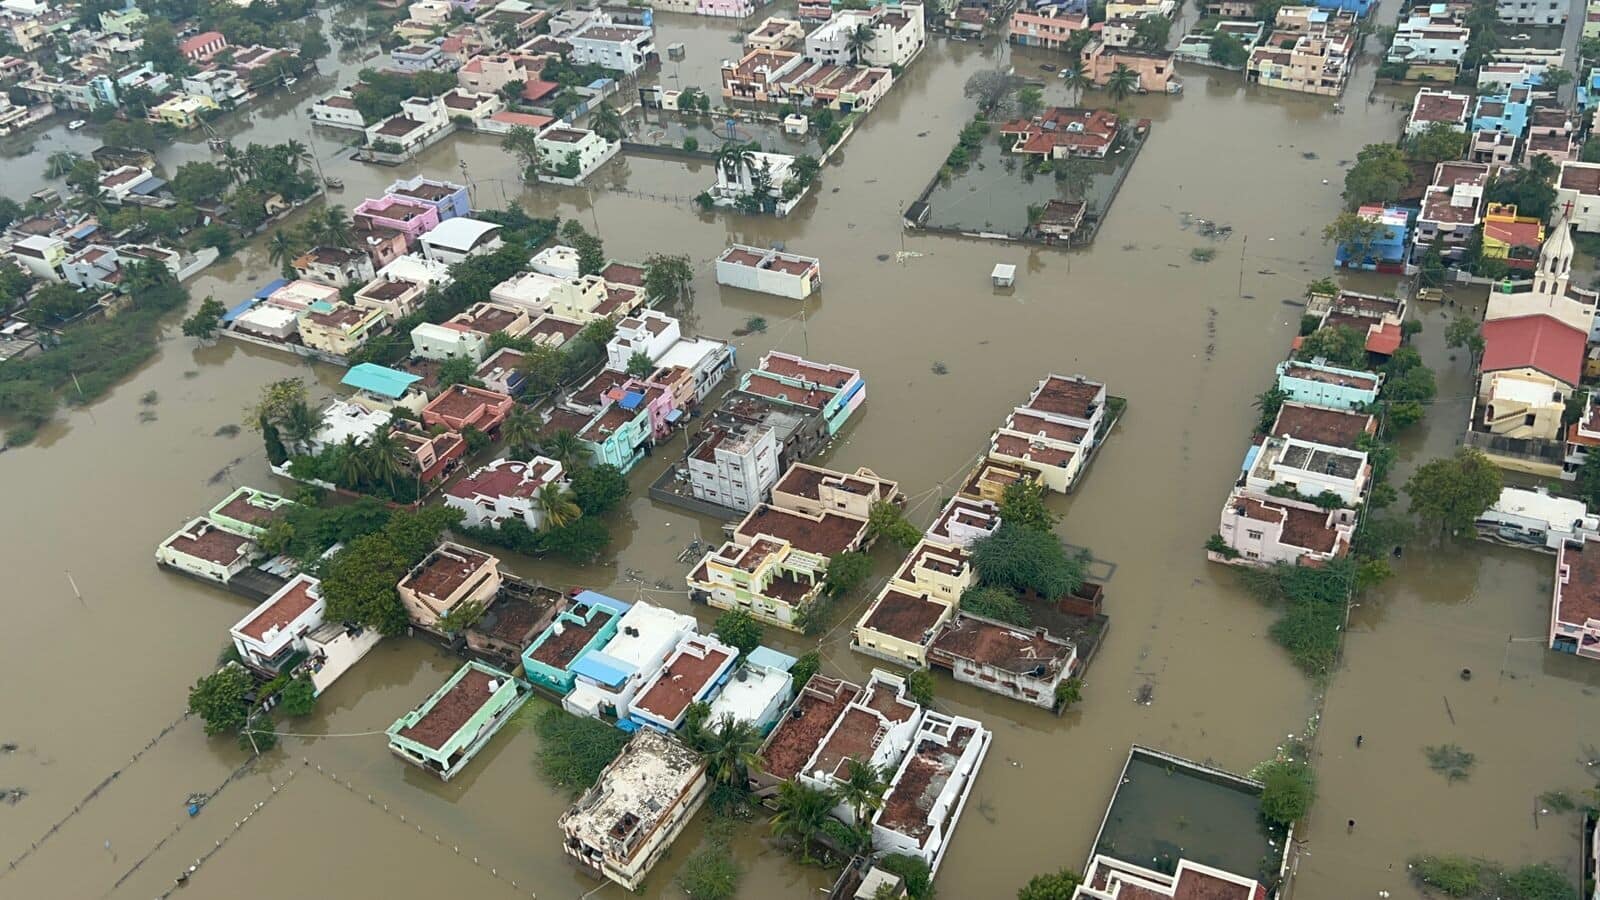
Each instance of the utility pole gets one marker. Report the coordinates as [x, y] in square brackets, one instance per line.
[1242, 248]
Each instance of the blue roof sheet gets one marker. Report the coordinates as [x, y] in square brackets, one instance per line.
[381, 380]
[271, 286]
[148, 186]
[602, 669]
[595, 598]
[239, 310]
[767, 658]
[631, 400]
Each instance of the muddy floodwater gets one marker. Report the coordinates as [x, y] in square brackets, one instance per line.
[94, 687]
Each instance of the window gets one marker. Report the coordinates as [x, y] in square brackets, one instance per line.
[1252, 555]
[1253, 535]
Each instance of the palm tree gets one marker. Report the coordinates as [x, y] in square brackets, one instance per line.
[1123, 81]
[1074, 76]
[733, 156]
[282, 249]
[59, 163]
[605, 121]
[300, 424]
[863, 789]
[555, 502]
[233, 161]
[520, 429]
[92, 203]
[387, 458]
[859, 40]
[296, 151]
[801, 813]
[730, 748]
[566, 448]
[335, 225]
[351, 464]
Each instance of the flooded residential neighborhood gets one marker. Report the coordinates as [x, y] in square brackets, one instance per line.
[1191, 292]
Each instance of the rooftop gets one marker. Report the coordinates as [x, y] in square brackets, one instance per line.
[288, 604]
[1538, 342]
[1322, 460]
[821, 702]
[646, 782]
[203, 540]
[451, 711]
[445, 570]
[921, 781]
[910, 617]
[241, 507]
[826, 535]
[788, 366]
[1331, 375]
[1073, 397]
[1578, 597]
[997, 645]
[1333, 427]
[568, 638]
[689, 671]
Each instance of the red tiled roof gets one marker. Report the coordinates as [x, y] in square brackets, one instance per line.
[1538, 342]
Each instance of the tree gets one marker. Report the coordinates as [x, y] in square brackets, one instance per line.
[919, 687]
[359, 581]
[160, 48]
[521, 430]
[862, 789]
[557, 505]
[915, 872]
[1556, 77]
[1340, 345]
[523, 143]
[668, 277]
[582, 541]
[1074, 76]
[738, 629]
[386, 458]
[1287, 792]
[1377, 176]
[299, 697]
[710, 874]
[998, 603]
[1354, 232]
[859, 39]
[598, 489]
[1464, 332]
[1025, 559]
[1075, 176]
[1069, 692]
[886, 520]
[283, 248]
[1051, 886]
[591, 252]
[1227, 51]
[1453, 491]
[1122, 82]
[991, 88]
[805, 667]
[220, 699]
[1269, 402]
[568, 449]
[640, 365]
[198, 181]
[1529, 188]
[1438, 142]
[1023, 505]
[1151, 32]
[730, 747]
[845, 572]
[1030, 100]
[205, 321]
[574, 750]
[59, 163]
[800, 814]
[457, 370]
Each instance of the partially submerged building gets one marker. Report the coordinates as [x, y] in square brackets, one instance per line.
[759, 690]
[443, 734]
[206, 550]
[272, 633]
[449, 577]
[928, 792]
[588, 623]
[694, 670]
[608, 678]
[1026, 664]
[638, 806]
[1575, 610]
[769, 271]
[1537, 520]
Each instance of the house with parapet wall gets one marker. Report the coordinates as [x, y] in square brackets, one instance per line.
[1320, 384]
[1322, 425]
[775, 33]
[339, 329]
[622, 48]
[588, 623]
[813, 490]
[1433, 106]
[619, 434]
[929, 791]
[519, 612]
[334, 266]
[608, 678]
[963, 520]
[1386, 249]
[788, 749]
[448, 198]
[1049, 27]
[650, 333]
[205, 550]
[383, 389]
[1309, 50]
[905, 617]
[462, 406]
[769, 271]
[408, 217]
[835, 391]
[272, 633]
[1026, 664]
[1575, 610]
[1579, 185]
[692, 673]
[758, 691]
[1535, 519]
[898, 35]
[1308, 467]
[444, 733]
[1452, 207]
[1054, 432]
[506, 489]
[449, 577]
[1261, 530]
[620, 828]
[1156, 70]
[1379, 318]
[248, 511]
[569, 155]
[874, 729]
[1110, 879]
[733, 465]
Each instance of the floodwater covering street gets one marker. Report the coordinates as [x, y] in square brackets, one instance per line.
[91, 681]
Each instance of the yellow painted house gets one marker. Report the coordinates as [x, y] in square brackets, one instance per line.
[907, 614]
[1513, 238]
[182, 110]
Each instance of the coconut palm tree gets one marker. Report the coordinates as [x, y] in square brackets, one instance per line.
[387, 459]
[235, 162]
[566, 448]
[860, 39]
[335, 224]
[605, 121]
[556, 503]
[1123, 81]
[730, 748]
[801, 812]
[296, 152]
[1074, 76]
[299, 425]
[350, 468]
[521, 429]
[863, 789]
[732, 157]
[283, 247]
[59, 163]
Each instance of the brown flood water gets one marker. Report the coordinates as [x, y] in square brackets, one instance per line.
[91, 682]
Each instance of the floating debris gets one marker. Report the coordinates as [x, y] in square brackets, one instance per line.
[1203, 254]
[11, 796]
[1146, 695]
[226, 431]
[883, 257]
[150, 398]
[147, 416]
[940, 368]
[1309, 154]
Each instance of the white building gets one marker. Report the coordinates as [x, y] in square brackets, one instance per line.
[734, 465]
[929, 791]
[609, 678]
[420, 119]
[506, 489]
[1532, 12]
[1579, 184]
[1442, 107]
[334, 266]
[41, 255]
[569, 155]
[649, 332]
[459, 237]
[556, 260]
[203, 549]
[898, 35]
[1262, 530]
[740, 179]
[876, 728]
[963, 520]
[220, 86]
[638, 806]
[343, 419]
[540, 294]
[420, 269]
[695, 668]
[1421, 39]
[338, 110]
[769, 271]
[758, 691]
[430, 341]
[623, 48]
[1533, 518]
[1310, 469]
[276, 630]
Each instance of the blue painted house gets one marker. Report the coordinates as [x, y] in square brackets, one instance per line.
[1507, 112]
[449, 198]
[1359, 7]
[834, 391]
[1320, 384]
[619, 435]
[1387, 252]
[587, 625]
[1589, 91]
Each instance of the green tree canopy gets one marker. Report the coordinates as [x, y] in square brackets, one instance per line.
[1340, 345]
[219, 699]
[1026, 559]
[845, 572]
[1023, 504]
[1380, 171]
[1452, 491]
[1437, 143]
[1051, 886]
[738, 629]
[1289, 788]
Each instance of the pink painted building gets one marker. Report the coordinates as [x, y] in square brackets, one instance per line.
[408, 217]
[1575, 613]
[463, 406]
[1049, 28]
[657, 400]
